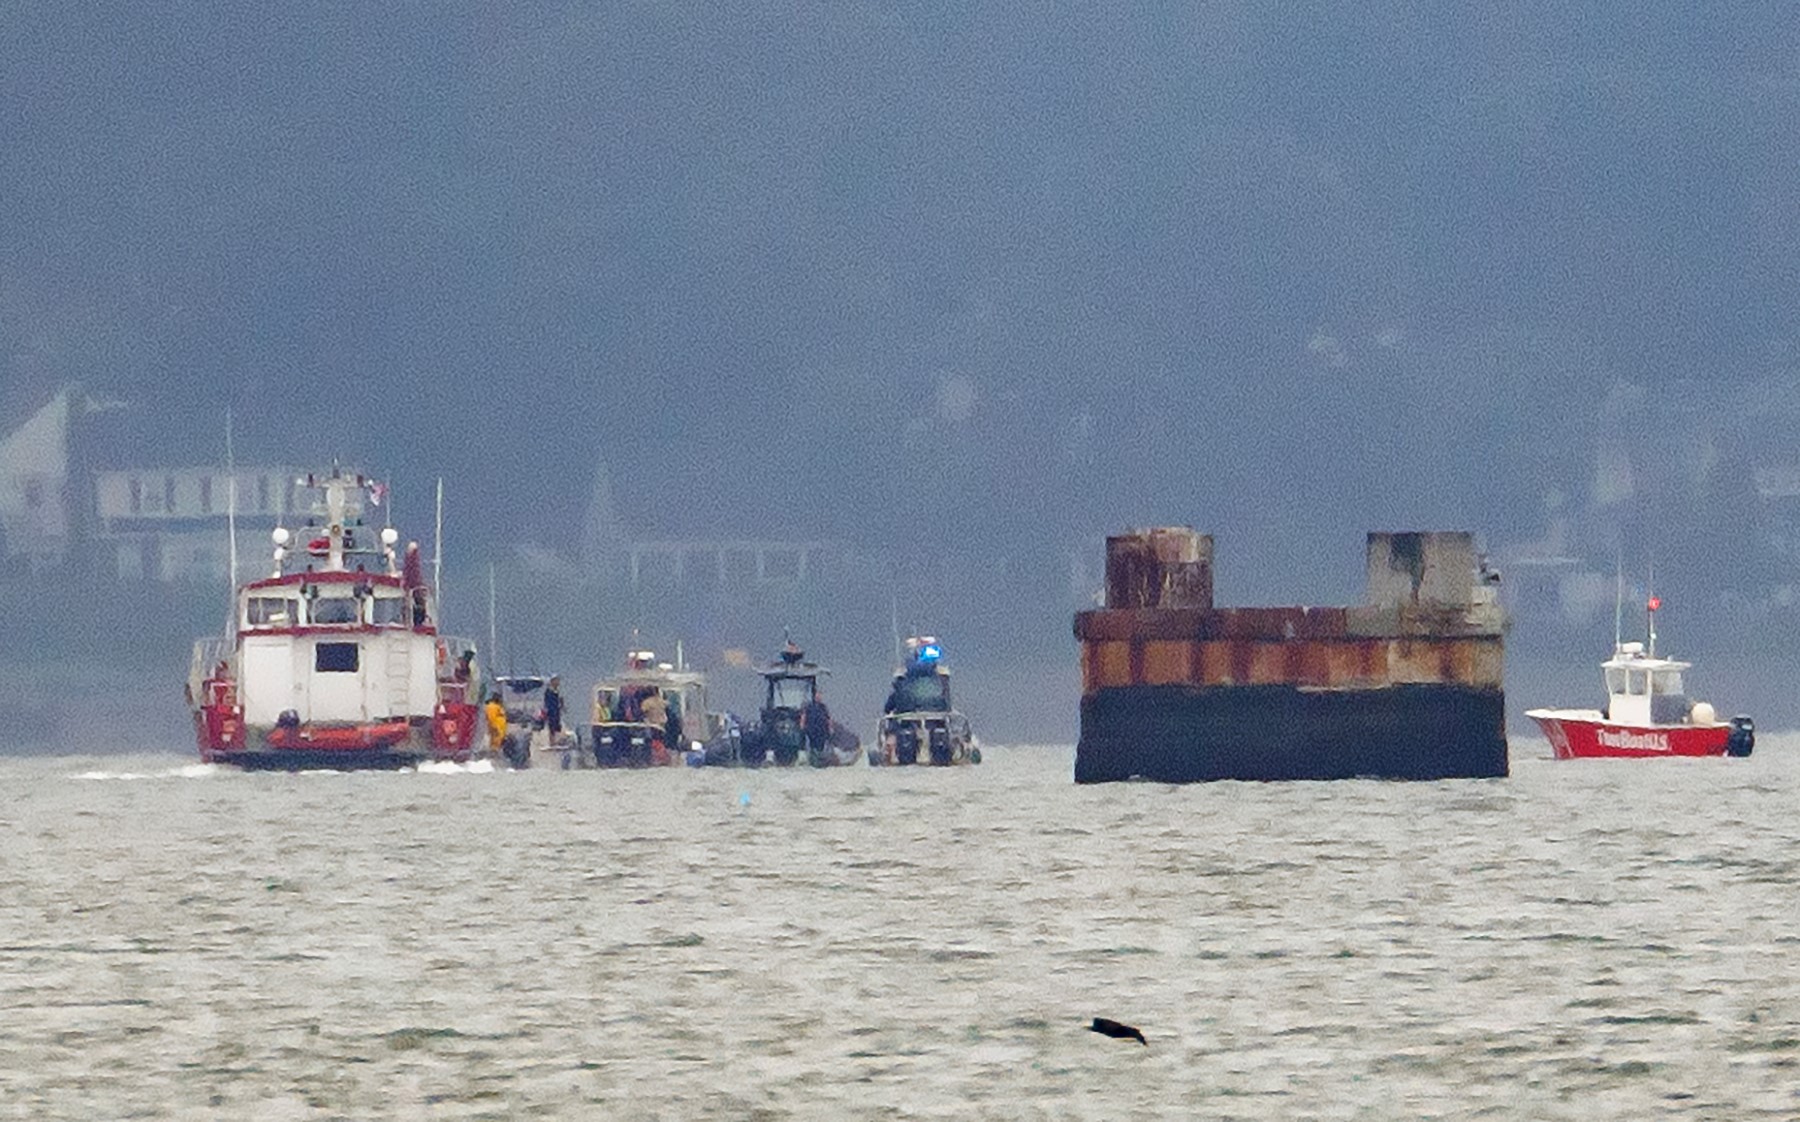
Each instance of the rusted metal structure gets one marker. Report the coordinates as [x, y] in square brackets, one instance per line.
[1405, 686]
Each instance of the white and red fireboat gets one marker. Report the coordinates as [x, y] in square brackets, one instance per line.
[1647, 713]
[335, 660]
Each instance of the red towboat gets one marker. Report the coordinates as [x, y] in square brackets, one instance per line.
[334, 660]
[1647, 713]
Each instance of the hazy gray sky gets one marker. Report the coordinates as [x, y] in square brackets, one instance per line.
[1287, 272]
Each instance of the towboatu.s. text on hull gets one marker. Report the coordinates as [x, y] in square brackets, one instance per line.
[335, 659]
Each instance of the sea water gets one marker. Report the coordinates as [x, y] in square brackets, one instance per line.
[1588, 939]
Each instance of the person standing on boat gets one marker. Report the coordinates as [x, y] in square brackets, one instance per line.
[654, 710]
[815, 722]
[412, 578]
[496, 722]
[553, 707]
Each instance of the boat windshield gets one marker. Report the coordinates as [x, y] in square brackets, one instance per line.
[335, 609]
[606, 703]
[389, 609]
[1637, 682]
[271, 611]
[1615, 679]
[790, 693]
[1666, 682]
[915, 692]
[523, 698]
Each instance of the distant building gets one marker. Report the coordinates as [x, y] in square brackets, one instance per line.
[36, 523]
[169, 524]
[156, 524]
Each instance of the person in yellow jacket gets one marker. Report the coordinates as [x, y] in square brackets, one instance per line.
[496, 722]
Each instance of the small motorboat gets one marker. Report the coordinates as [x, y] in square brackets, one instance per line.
[1647, 714]
[795, 722]
[653, 714]
[919, 722]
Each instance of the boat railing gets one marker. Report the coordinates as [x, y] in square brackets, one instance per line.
[210, 655]
[452, 689]
[953, 719]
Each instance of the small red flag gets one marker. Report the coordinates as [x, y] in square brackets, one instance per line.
[1655, 603]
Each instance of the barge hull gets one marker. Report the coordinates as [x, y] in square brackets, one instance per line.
[1183, 734]
[319, 759]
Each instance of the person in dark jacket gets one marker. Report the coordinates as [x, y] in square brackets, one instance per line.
[553, 707]
[815, 721]
[412, 578]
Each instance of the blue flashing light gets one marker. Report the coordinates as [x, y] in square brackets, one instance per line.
[930, 652]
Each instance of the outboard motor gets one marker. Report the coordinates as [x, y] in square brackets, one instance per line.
[906, 744]
[1742, 738]
[940, 744]
[785, 739]
[606, 749]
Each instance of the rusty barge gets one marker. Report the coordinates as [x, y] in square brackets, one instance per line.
[1408, 685]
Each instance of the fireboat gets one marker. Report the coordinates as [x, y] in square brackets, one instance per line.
[335, 659]
[1647, 712]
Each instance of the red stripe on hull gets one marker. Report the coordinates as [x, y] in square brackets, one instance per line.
[1575, 739]
[377, 734]
[223, 738]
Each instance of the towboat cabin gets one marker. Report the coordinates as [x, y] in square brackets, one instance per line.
[1644, 690]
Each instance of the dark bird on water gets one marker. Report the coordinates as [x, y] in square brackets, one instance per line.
[1117, 1031]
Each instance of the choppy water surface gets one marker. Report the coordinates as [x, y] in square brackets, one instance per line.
[1587, 939]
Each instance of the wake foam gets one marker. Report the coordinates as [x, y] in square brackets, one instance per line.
[185, 771]
[451, 767]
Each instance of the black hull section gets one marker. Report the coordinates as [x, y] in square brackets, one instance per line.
[372, 759]
[1179, 734]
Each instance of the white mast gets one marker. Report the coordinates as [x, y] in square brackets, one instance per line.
[231, 511]
[1619, 602]
[493, 630]
[437, 553]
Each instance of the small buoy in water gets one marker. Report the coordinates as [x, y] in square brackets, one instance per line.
[743, 798]
[1105, 1026]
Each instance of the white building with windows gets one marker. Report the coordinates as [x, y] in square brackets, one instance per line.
[35, 523]
[169, 524]
[159, 524]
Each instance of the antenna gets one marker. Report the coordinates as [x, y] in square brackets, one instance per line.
[1619, 600]
[894, 618]
[493, 629]
[231, 512]
[1651, 604]
[437, 552]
